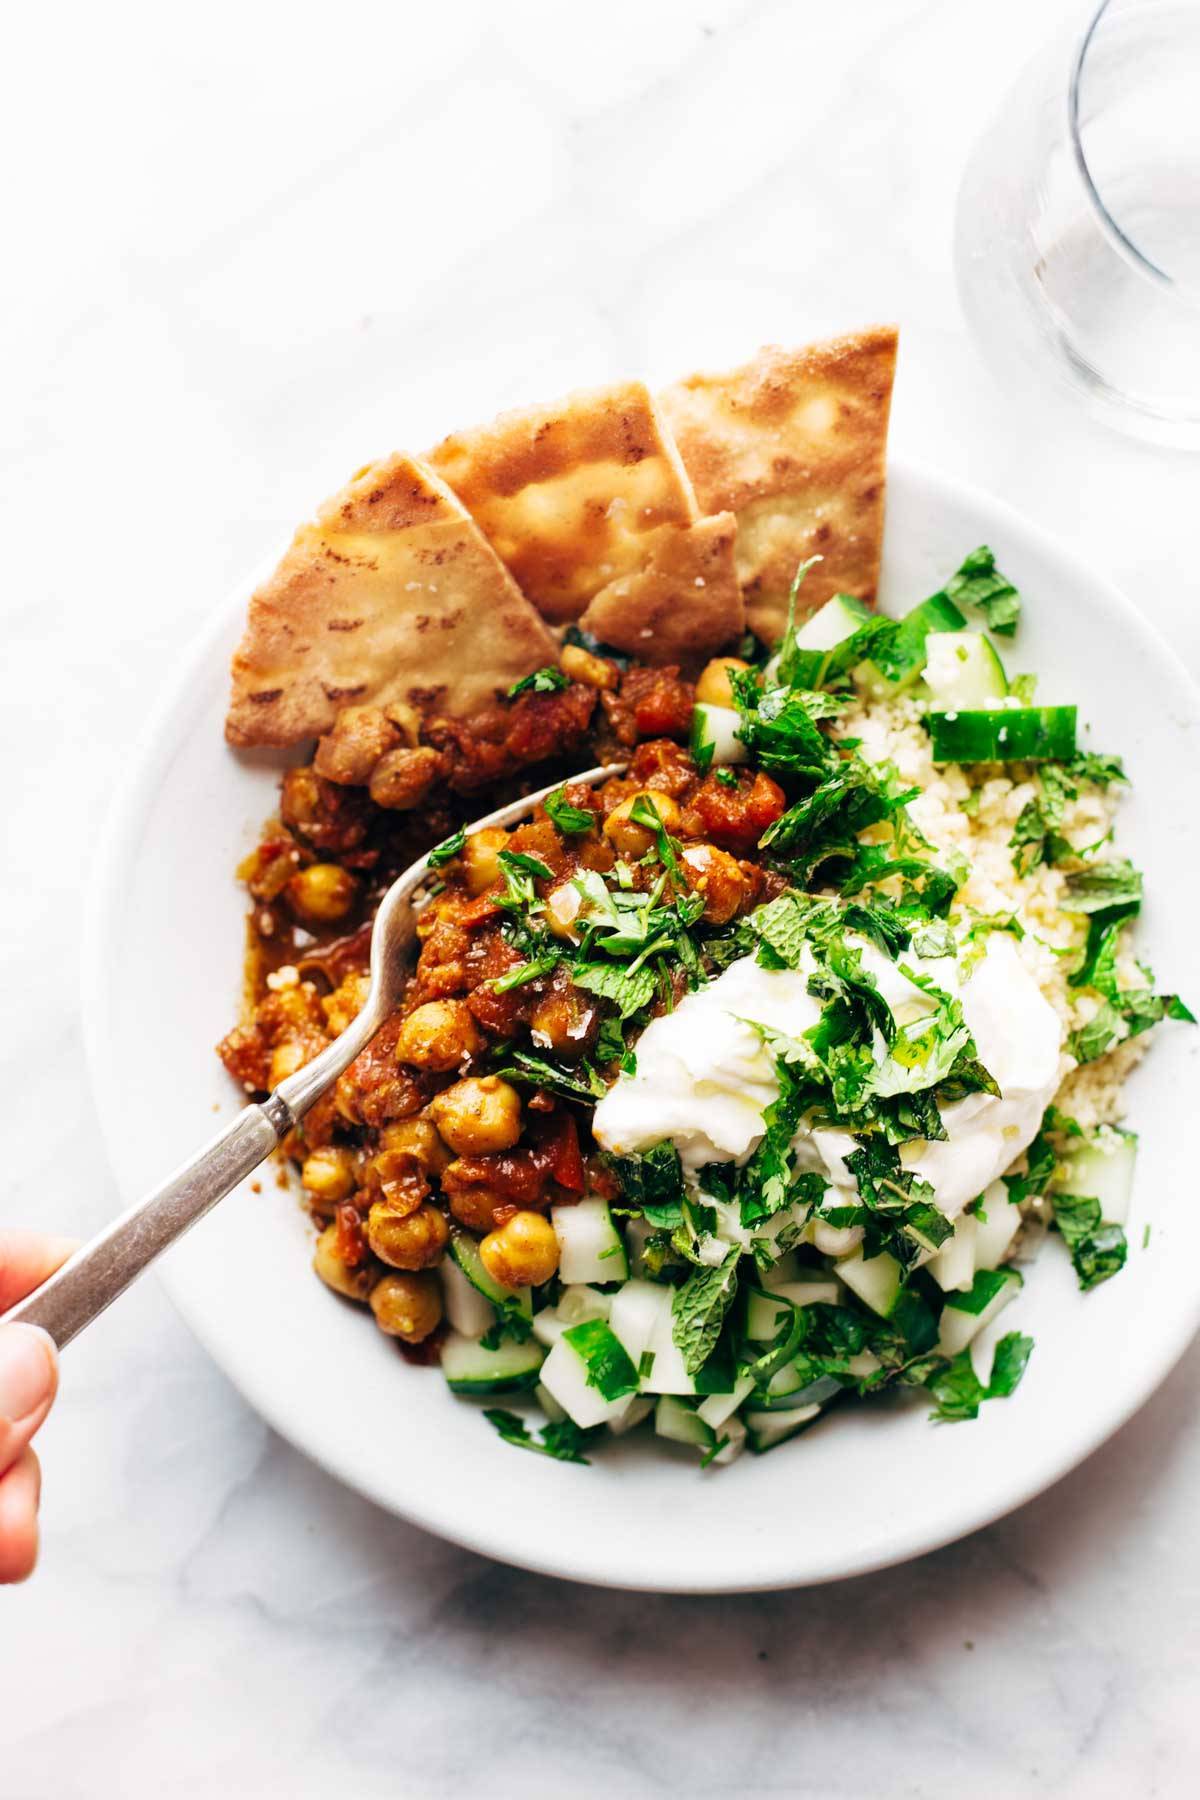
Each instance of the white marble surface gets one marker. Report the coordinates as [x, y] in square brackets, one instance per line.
[249, 247]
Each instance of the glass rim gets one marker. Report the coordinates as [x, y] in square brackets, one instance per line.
[1120, 239]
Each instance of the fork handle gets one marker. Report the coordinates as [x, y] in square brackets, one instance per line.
[104, 1267]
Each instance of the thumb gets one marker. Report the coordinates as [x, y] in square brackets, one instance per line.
[28, 1380]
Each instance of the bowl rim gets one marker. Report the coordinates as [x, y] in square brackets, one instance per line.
[103, 892]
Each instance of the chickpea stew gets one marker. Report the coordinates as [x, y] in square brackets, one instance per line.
[729, 1089]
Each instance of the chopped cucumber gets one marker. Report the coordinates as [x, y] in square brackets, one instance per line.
[766, 1429]
[549, 1404]
[962, 669]
[1004, 734]
[716, 1408]
[793, 1386]
[876, 1281]
[954, 1264]
[682, 1424]
[465, 1252]
[639, 1407]
[466, 1308]
[637, 1232]
[732, 1438]
[714, 740]
[575, 1306]
[565, 1377]
[470, 1369]
[637, 1310]
[766, 1312]
[965, 1315]
[996, 1230]
[832, 623]
[833, 1240]
[899, 658]
[1101, 1166]
[589, 1244]
[786, 1269]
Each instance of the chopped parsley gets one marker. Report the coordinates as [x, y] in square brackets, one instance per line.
[561, 1439]
[549, 680]
[448, 849]
[571, 821]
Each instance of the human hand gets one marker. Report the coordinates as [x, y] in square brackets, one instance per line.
[28, 1380]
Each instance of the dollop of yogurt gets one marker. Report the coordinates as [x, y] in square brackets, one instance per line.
[704, 1077]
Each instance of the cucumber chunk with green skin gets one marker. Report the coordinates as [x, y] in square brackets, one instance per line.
[1004, 734]
[470, 1369]
[962, 669]
[682, 1424]
[766, 1429]
[792, 1386]
[714, 740]
[832, 623]
[900, 657]
[565, 1376]
[466, 1308]
[876, 1280]
[965, 1315]
[1101, 1166]
[589, 1244]
[716, 1408]
[465, 1252]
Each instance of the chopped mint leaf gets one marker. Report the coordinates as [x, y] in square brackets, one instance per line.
[571, 821]
[525, 972]
[651, 1183]
[958, 1391]
[698, 1311]
[979, 584]
[609, 1368]
[1101, 885]
[580, 1082]
[727, 778]
[448, 849]
[561, 1439]
[543, 681]
[629, 989]
[1098, 1250]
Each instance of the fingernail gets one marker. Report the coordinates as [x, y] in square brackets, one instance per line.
[26, 1371]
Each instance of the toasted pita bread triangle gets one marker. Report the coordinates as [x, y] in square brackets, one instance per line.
[572, 495]
[391, 594]
[794, 445]
[683, 605]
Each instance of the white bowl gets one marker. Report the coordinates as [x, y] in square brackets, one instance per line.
[865, 1488]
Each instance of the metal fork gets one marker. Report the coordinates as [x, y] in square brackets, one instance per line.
[103, 1268]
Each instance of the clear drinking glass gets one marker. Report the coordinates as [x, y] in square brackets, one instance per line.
[1077, 239]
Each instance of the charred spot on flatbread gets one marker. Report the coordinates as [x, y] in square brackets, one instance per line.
[794, 444]
[391, 595]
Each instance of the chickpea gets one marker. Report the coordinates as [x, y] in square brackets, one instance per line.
[416, 1138]
[345, 1003]
[631, 838]
[479, 855]
[402, 778]
[322, 893]
[407, 1306]
[287, 1057]
[473, 1203]
[406, 720]
[328, 1174]
[400, 1179]
[348, 753]
[581, 665]
[719, 877]
[713, 687]
[354, 1284]
[563, 905]
[521, 1253]
[565, 1021]
[479, 1114]
[412, 1240]
[438, 1036]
